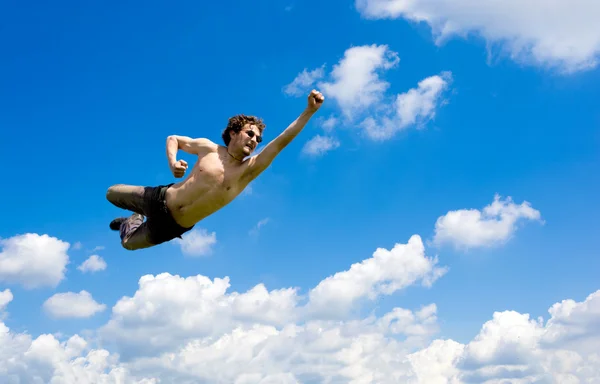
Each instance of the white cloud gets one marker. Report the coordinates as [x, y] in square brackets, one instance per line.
[77, 246]
[436, 363]
[412, 108]
[190, 330]
[197, 242]
[47, 360]
[356, 82]
[168, 311]
[33, 260]
[511, 345]
[329, 124]
[94, 263]
[319, 145]
[496, 223]
[6, 297]
[357, 87]
[72, 305]
[361, 351]
[317, 351]
[304, 80]
[557, 34]
[385, 273]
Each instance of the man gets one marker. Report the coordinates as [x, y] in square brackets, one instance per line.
[220, 174]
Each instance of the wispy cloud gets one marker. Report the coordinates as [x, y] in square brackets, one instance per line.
[563, 36]
[304, 80]
[197, 242]
[93, 263]
[319, 145]
[255, 231]
[6, 297]
[329, 123]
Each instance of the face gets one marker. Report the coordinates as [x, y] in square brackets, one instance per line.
[247, 139]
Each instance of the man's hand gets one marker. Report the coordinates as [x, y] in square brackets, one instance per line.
[178, 168]
[260, 162]
[315, 100]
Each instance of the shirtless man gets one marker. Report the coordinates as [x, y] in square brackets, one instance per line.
[220, 174]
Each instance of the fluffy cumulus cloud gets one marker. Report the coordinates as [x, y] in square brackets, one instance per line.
[261, 342]
[356, 82]
[192, 328]
[495, 224]
[168, 310]
[512, 345]
[556, 34]
[33, 261]
[362, 351]
[385, 273]
[48, 360]
[356, 85]
[195, 330]
[72, 305]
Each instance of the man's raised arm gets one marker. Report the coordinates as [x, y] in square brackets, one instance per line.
[186, 144]
[261, 161]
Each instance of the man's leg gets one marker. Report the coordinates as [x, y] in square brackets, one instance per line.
[135, 233]
[130, 197]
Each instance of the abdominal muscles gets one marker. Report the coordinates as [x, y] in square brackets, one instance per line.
[199, 196]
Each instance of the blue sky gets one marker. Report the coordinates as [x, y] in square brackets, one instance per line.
[91, 91]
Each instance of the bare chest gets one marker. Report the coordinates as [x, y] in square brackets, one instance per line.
[211, 173]
[211, 185]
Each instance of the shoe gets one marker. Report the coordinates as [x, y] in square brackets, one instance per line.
[115, 225]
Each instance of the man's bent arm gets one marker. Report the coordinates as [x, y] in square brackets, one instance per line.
[261, 161]
[186, 144]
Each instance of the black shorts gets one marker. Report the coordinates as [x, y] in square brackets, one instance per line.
[161, 225]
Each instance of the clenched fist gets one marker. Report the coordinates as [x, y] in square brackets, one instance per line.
[315, 100]
[178, 168]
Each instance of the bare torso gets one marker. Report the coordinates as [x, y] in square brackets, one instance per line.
[214, 181]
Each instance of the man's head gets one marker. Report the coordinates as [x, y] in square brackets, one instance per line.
[243, 133]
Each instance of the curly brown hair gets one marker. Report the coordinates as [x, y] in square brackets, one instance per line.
[237, 122]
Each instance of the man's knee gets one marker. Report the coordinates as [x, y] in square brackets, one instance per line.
[130, 245]
[112, 193]
[127, 245]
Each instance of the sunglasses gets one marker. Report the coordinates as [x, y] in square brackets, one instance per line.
[251, 135]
